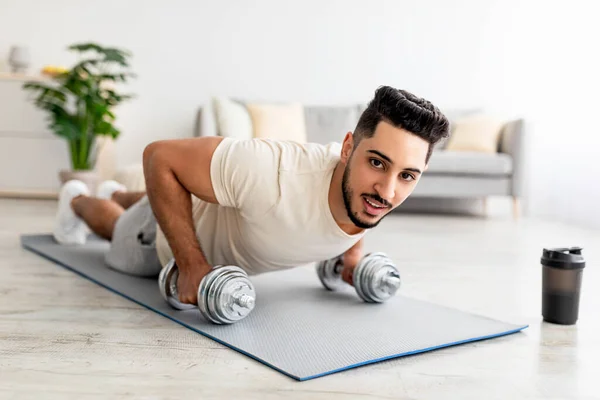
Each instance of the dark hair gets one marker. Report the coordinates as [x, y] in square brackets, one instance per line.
[403, 110]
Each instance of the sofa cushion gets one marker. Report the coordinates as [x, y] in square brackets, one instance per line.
[329, 124]
[470, 163]
[454, 114]
[278, 121]
[232, 119]
[479, 132]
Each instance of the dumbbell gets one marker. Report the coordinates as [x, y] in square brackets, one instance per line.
[375, 278]
[225, 295]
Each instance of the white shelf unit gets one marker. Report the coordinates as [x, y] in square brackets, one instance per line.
[30, 154]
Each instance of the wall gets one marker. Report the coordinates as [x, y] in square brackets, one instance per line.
[506, 56]
[558, 88]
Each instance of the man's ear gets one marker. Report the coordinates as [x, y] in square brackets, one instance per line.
[347, 147]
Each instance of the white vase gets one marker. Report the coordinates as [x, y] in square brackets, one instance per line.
[19, 59]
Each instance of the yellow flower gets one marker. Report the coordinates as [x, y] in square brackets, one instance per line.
[53, 70]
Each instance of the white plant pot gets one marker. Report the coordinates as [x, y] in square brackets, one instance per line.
[89, 177]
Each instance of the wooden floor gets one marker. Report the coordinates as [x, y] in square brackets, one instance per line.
[62, 336]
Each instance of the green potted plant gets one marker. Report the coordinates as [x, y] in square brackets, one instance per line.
[80, 103]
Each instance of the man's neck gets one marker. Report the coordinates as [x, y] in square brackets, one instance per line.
[336, 202]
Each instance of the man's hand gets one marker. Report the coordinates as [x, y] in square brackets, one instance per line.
[350, 262]
[351, 259]
[188, 282]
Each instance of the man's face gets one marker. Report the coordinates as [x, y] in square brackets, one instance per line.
[381, 173]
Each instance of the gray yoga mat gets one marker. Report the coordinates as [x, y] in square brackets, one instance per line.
[297, 327]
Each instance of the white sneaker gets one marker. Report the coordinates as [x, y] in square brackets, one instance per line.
[106, 189]
[68, 227]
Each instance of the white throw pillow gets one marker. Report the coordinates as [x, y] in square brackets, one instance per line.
[476, 133]
[232, 119]
[278, 121]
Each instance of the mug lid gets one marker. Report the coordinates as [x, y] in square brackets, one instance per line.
[563, 257]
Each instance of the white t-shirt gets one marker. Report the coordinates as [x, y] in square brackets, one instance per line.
[273, 210]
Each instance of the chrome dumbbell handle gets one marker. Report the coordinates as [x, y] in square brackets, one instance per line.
[167, 283]
[244, 300]
[391, 282]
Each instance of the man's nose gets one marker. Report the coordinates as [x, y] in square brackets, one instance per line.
[387, 190]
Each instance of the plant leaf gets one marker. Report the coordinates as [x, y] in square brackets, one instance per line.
[83, 47]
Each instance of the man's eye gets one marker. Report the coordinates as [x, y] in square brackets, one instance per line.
[407, 176]
[376, 163]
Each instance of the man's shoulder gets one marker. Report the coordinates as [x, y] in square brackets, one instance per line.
[284, 155]
[307, 157]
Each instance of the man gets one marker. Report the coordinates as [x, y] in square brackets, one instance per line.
[262, 205]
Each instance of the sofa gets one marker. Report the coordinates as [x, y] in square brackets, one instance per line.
[452, 175]
[467, 175]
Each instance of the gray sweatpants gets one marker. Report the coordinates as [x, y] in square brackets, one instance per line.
[133, 245]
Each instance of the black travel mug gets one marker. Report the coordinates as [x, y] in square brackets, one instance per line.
[562, 270]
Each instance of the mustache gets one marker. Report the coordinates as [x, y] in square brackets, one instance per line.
[378, 199]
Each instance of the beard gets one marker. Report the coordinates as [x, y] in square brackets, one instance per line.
[347, 195]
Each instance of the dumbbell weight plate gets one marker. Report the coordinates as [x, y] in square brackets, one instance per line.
[167, 284]
[233, 298]
[376, 278]
[226, 295]
[330, 273]
[203, 289]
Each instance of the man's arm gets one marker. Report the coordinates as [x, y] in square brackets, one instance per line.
[173, 170]
[351, 258]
